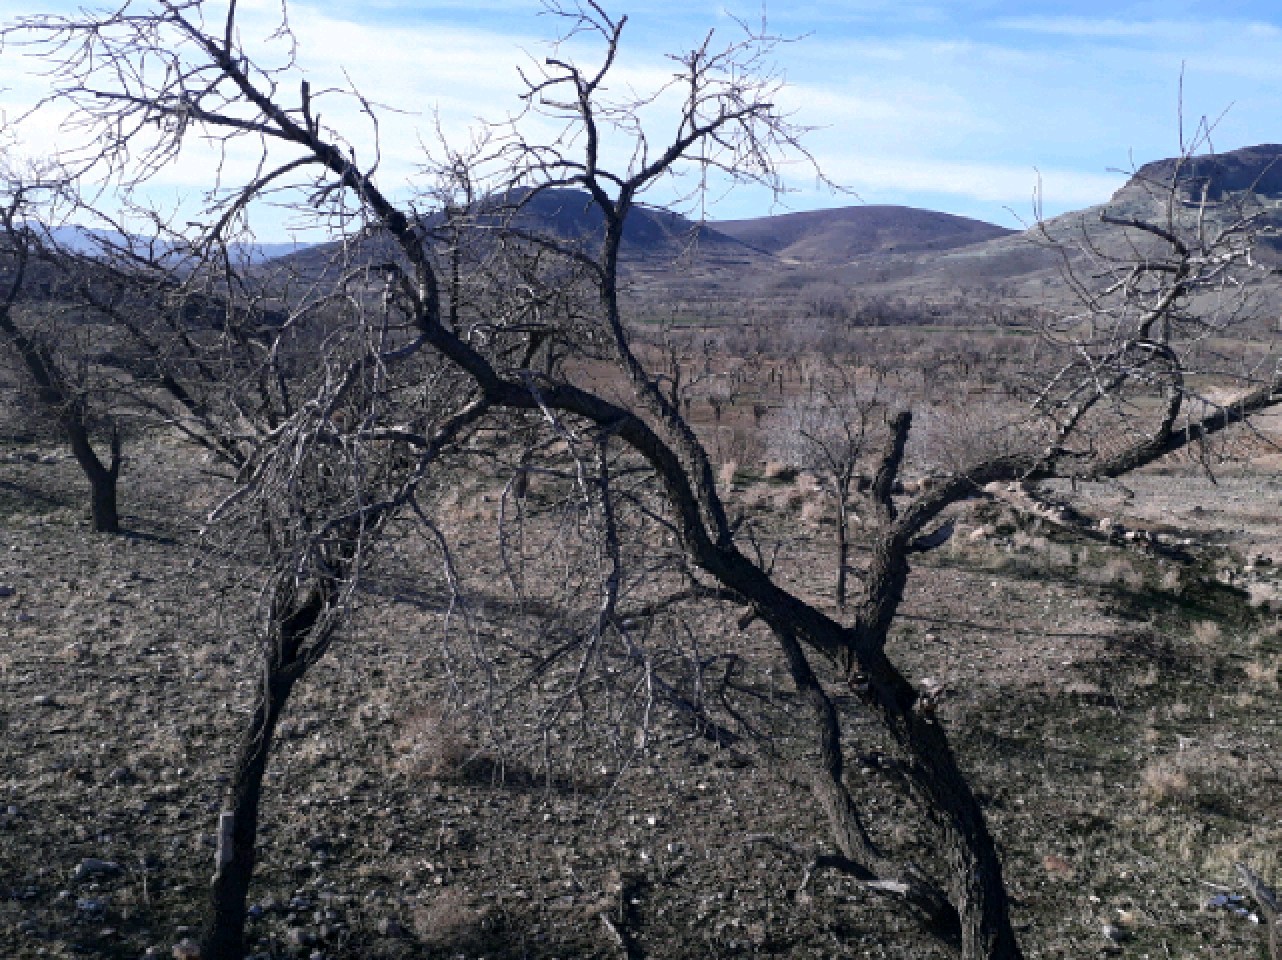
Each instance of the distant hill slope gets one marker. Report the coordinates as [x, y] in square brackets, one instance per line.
[847, 233]
[649, 231]
[1019, 268]
[653, 238]
[855, 262]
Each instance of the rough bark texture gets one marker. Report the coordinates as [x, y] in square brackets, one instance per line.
[103, 479]
[223, 936]
[298, 636]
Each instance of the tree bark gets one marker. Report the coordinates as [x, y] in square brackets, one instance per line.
[102, 479]
[843, 544]
[223, 936]
[936, 782]
[859, 855]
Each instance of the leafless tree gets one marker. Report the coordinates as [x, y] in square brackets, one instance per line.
[830, 432]
[53, 346]
[497, 362]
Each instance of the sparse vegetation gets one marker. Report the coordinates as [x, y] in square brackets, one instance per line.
[527, 649]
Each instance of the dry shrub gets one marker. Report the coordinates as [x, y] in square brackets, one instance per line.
[432, 744]
[757, 497]
[1028, 541]
[1164, 782]
[1059, 555]
[1172, 581]
[1112, 570]
[813, 511]
[1259, 849]
[788, 498]
[452, 919]
[780, 472]
[1265, 673]
[1263, 596]
[725, 476]
[1057, 866]
[1207, 632]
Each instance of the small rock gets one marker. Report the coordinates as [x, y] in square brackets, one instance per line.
[186, 949]
[152, 953]
[1114, 933]
[93, 867]
[389, 927]
[91, 906]
[299, 937]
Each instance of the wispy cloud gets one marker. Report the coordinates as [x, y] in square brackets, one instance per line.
[915, 101]
[1006, 185]
[1091, 27]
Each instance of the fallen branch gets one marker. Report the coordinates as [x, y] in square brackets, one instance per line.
[1267, 900]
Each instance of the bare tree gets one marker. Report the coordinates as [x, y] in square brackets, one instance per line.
[53, 346]
[507, 363]
[829, 433]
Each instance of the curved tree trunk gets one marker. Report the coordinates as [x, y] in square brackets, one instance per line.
[843, 545]
[223, 936]
[859, 856]
[937, 783]
[102, 479]
[298, 634]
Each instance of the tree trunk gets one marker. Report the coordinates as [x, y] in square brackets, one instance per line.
[860, 856]
[102, 502]
[223, 936]
[102, 479]
[53, 392]
[941, 789]
[843, 546]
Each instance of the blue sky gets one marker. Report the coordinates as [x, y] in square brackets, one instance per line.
[953, 106]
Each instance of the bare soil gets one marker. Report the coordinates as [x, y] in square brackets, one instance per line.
[1116, 706]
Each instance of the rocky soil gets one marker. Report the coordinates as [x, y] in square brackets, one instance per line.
[1117, 709]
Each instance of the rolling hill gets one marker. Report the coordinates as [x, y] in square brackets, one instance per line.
[844, 234]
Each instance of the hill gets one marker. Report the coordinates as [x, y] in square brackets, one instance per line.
[843, 234]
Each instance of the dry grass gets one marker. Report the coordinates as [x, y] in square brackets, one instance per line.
[726, 474]
[779, 472]
[432, 745]
[1207, 632]
[1164, 782]
[453, 919]
[1265, 672]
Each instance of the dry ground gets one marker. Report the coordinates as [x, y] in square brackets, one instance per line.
[1117, 710]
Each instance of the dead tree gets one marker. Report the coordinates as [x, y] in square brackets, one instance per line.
[828, 434]
[501, 367]
[51, 349]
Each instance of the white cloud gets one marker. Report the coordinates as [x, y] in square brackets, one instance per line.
[995, 183]
[1097, 28]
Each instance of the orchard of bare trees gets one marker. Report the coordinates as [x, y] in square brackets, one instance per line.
[345, 396]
